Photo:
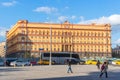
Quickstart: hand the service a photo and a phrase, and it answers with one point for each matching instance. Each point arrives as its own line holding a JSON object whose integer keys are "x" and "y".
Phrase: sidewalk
{"x": 57, "y": 72}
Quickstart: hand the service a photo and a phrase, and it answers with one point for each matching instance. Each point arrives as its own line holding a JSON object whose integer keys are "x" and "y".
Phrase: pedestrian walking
{"x": 104, "y": 68}
{"x": 69, "y": 67}
{"x": 98, "y": 64}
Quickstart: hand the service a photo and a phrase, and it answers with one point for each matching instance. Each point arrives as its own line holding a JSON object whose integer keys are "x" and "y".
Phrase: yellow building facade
{"x": 88, "y": 40}
{"x": 2, "y": 49}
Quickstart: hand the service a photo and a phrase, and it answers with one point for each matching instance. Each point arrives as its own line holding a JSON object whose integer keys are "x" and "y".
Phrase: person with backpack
{"x": 104, "y": 68}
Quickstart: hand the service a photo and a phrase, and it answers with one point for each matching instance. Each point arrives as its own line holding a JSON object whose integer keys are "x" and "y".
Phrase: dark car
{"x": 81, "y": 61}
{"x": 72, "y": 61}
{"x": 8, "y": 61}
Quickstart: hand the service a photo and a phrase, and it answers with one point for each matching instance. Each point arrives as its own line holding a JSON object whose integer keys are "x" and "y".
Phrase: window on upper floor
{"x": 22, "y": 39}
{"x": 23, "y": 32}
{"x": 39, "y": 32}
{"x": 36, "y": 31}
{"x": 54, "y": 32}
{"x": 47, "y": 32}
{"x": 43, "y": 32}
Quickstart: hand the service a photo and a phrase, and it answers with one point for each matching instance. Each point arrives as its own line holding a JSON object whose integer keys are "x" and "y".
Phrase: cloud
{"x": 8, "y": 4}
{"x": 47, "y": 10}
{"x": 3, "y": 31}
{"x": 62, "y": 18}
{"x": 113, "y": 20}
{"x": 73, "y": 17}
{"x": 100, "y": 20}
{"x": 117, "y": 41}
{"x": 81, "y": 18}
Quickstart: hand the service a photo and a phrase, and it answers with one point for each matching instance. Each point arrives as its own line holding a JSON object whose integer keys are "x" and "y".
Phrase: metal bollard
{"x": 14, "y": 65}
{"x": 30, "y": 64}
{"x": 22, "y": 65}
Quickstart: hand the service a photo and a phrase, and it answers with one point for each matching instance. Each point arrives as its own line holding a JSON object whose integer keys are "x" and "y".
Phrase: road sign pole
{"x": 50, "y": 44}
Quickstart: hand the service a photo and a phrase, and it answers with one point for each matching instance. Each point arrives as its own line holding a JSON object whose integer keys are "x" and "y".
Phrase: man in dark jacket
{"x": 98, "y": 64}
{"x": 69, "y": 66}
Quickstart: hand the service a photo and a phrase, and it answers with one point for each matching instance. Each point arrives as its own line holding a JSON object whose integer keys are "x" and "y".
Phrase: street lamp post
{"x": 50, "y": 45}
{"x": 71, "y": 47}
{"x": 40, "y": 49}
{"x": 5, "y": 51}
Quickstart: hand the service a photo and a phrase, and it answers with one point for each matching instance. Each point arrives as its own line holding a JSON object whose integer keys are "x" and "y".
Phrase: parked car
{"x": 20, "y": 63}
{"x": 1, "y": 62}
{"x": 72, "y": 61}
{"x": 9, "y": 60}
{"x": 116, "y": 62}
{"x": 33, "y": 62}
{"x": 109, "y": 61}
{"x": 94, "y": 62}
{"x": 44, "y": 62}
{"x": 81, "y": 61}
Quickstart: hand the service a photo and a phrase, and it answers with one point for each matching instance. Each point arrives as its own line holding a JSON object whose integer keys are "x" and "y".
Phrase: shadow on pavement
{"x": 11, "y": 69}
{"x": 65, "y": 78}
{"x": 90, "y": 76}
{"x": 5, "y": 70}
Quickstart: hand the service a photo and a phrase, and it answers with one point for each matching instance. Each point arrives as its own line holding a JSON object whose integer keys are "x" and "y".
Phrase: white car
{"x": 20, "y": 63}
{"x": 116, "y": 62}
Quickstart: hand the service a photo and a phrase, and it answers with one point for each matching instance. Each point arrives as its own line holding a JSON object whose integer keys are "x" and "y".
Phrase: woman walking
{"x": 104, "y": 68}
